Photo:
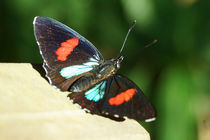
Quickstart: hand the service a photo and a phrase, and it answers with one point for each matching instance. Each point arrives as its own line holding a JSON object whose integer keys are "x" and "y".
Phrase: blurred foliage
{"x": 174, "y": 73}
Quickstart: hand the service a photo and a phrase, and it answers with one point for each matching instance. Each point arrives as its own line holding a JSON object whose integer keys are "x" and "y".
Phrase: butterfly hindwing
{"x": 124, "y": 98}
{"x": 61, "y": 47}
{"x": 117, "y": 96}
{"x": 91, "y": 98}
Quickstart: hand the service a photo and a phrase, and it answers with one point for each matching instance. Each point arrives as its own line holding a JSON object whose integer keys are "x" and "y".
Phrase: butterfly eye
{"x": 120, "y": 59}
{"x": 118, "y": 65}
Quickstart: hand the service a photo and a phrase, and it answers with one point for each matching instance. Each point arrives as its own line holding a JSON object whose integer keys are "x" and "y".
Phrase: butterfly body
{"x": 73, "y": 64}
{"x": 98, "y": 74}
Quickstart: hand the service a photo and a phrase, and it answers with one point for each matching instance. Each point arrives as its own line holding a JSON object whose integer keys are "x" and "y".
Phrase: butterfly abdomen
{"x": 84, "y": 83}
{"x": 100, "y": 73}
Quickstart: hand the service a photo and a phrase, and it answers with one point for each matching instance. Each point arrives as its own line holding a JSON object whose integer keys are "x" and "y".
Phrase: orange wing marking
{"x": 66, "y": 48}
{"x": 122, "y": 97}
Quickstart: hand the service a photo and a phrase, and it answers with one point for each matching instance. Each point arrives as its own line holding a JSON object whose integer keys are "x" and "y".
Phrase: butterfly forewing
{"x": 61, "y": 47}
{"x": 50, "y": 34}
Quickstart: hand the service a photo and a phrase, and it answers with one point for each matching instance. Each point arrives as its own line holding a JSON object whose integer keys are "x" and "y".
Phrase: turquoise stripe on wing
{"x": 75, "y": 70}
{"x": 96, "y": 93}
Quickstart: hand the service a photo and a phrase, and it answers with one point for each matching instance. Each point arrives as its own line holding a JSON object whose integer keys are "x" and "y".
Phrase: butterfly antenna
{"x": 131, "y": 27}
{"x": 150, "y": 44}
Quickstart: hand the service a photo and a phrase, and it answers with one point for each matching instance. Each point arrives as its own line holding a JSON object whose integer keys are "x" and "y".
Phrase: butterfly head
{"x": 117, "y": 62}
{"x": 109, "y": 68}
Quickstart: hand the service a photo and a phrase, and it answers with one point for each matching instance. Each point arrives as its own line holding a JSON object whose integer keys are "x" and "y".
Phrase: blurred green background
{"x": 174, "y": 73}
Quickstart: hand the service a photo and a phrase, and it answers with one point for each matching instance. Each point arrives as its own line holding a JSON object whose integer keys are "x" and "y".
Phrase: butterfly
{"x": 74, "y": 64}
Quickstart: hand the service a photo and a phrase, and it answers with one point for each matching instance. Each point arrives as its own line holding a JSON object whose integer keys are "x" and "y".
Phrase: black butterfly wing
{"x": 61, "y": 47}
{"x": 123, "y": 98}
{"x": 118, "y": 97}
{"x": 90, "y": 99}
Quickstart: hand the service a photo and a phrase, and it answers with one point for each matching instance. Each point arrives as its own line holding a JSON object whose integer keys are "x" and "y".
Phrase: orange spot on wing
{"x": 66, "y": 48}
{"x": 122, "y": 97}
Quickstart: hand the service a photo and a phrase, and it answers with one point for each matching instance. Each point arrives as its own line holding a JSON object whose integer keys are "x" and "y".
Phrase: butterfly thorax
{"x": 98, "y": 74}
